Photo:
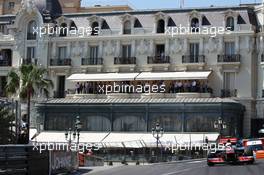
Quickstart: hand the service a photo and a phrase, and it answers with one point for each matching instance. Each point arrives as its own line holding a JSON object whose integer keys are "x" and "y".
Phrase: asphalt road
{"x": 188, "y": 168}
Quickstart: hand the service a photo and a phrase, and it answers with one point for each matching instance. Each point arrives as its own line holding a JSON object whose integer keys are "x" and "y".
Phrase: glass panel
{"x": 129, "y": 122}
{"x": 95, "y": 122}
{"x": 229, "y": 48}
{"x": 201, "y": 122}
{"x": 62, "y": 52}
{"x": 171, "y": 122}
{"x": 126, "y": 51}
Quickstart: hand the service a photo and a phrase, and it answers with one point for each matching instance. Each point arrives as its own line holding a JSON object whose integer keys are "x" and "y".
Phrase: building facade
{"x": 127, "y": 42}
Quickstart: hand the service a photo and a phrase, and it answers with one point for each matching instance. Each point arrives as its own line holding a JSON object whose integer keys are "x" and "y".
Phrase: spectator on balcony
{"x": 86, "y": 87}
{"x": 81, "y": 88}
{"x": 77, "y": 87}
{"x": 194, "y": 86}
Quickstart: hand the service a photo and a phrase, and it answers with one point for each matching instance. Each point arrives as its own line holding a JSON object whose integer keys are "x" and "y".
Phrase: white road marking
{"x": 183, "y": 170}
{"x": 198, "y": 161}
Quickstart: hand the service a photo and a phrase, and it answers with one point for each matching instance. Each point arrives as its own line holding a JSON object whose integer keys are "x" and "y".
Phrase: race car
{"x": 256, "y": 146}
{"x": 233, "y": 152}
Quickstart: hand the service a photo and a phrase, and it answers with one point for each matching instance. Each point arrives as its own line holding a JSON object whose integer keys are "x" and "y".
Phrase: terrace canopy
{"x": 140, "y": 76}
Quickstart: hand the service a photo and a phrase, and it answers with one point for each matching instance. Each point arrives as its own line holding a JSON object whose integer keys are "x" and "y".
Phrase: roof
{"x": 138, "y": 101}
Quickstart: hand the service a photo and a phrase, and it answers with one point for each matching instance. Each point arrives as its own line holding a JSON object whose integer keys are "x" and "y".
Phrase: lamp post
{"x": 78, "y": 127}
{"x": 70, "y": 135}
{"x": 220, "y": 124}
{"x": 157, "y": 133}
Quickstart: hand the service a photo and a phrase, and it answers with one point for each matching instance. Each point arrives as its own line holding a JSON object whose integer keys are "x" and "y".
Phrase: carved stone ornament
{"x": 176, "y": 46}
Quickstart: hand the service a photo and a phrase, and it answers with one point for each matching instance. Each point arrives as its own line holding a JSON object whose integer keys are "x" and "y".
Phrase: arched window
{"x": 161, "y": 26}
{"x": 230, "y": 23}
{"x": 105, "y": 25}
{"x": 31, "y": 35}
{"x": 127, "y": 27}
{"x": 95, "y": 29}
{"x": 63, "y": 30}
{"x": 195, "y": 25}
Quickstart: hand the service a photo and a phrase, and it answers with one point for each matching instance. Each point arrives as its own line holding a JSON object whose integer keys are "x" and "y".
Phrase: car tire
{"x": 210, "y": 164}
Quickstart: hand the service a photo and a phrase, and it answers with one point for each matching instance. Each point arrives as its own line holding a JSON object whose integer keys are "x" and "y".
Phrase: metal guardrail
{"x": 228, "y": 93}
{"x": 193, "y": 59}
{"x": 6, "y": 62}
{"x": 229, "y": 58}
{"x": 92, "y": 61}
{"x": 60, "y": 62}
{"x": 123, "y": 60}
{"x": 158, "y": 59}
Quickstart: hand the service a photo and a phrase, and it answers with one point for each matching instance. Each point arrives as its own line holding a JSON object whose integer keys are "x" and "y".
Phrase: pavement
{"x": 196, "y": 167}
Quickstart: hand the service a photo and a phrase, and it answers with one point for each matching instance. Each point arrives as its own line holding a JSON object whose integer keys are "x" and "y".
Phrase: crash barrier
{"x": 23, "y": 159}
{"x": 90, "y": 160}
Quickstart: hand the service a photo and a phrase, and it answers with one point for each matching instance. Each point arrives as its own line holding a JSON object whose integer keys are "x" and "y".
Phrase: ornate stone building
{"x": 136, "y": 46}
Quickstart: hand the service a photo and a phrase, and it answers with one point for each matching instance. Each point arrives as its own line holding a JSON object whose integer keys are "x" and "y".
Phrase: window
{"x": 229, "y": 81}
{"x": 171, "y": 23}
{"x": 30, "y": 53}
{"x": 137, "y": 24}
{"x": 126, "y": 51}
{"x": 95, "y": 29}
{"x": 127, "y": 27}
{"x": 195, "y": 25}
{"x": 63, "y": 30}
{"x": 194, "y": 52}
{"x": 229, "y": 48}
{"x": 230, "y": 24}
{"x": 94, "y": 54}
{"x": 62, "y": 52}
{"x": 11, "y": 5}
{"x": 105, "y": 25}
{"x": 2, "y": 28}
{"x": 161, "y": 26}
{"x": 31, "y": 35}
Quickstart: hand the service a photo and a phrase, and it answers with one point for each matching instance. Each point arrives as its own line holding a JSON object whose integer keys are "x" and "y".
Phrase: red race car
{"x": 232, "y": 152}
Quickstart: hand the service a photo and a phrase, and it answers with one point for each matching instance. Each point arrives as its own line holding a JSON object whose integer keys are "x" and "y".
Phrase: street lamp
{"x": 157, "y": 133}
{"x": 78, "y": 127}
{"x": 220, "y": 124}
{"x": 70, "y": 135}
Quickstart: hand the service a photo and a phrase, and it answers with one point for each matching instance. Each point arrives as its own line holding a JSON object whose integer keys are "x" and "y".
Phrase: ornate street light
{"x": 157, "y": 133}
{"x": 220, "y": 124}
{"x": 70, "y": 135}
{"x": 78, "y": 127}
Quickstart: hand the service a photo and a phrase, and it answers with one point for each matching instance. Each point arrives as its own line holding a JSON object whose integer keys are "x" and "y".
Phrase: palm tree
{"x": 7, "y": 118}
{"x": 27, "y": 82}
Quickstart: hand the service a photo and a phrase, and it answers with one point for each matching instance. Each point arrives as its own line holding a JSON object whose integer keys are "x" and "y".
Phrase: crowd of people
{"x": 183, "y": 86}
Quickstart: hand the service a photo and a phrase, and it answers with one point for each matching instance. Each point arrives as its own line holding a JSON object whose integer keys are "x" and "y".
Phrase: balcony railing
{"x": 193, "y": 59}
{"x": 60, "y": 62}
{"x": 30, "y": 61}
{"x": 5, "y": 63}
{"x": 235, "y": 58}
{"x": 122, "y": 60}
{"x": 159, "y": 60}
{"x": 228, "y": 93}
{"x": 92, "y": 61}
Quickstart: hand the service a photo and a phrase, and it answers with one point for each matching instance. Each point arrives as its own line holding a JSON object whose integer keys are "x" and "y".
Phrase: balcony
{"x": 124, "y": 61}
{"x": 229, "y": 59}
{"x": 159, "y": 60}
{"x": 225, "y": 93}
{"x": 5, "y": 63}
{"x": 30, "y": 61}
{"x": 92, "y": 61}
{"x": 193, "y": 59}
{"x": 60, "y": 62}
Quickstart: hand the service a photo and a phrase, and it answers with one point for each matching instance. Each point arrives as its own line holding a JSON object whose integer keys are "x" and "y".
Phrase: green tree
{"x": 26, "y": 82}
{"x": 7, "y": 119}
